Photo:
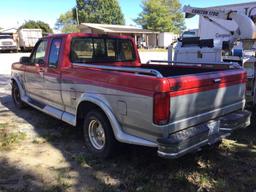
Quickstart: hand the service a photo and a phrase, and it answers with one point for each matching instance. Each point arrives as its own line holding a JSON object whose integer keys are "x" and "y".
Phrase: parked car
{"x": 98, "y": 81}
{"x": 7, "y": 43}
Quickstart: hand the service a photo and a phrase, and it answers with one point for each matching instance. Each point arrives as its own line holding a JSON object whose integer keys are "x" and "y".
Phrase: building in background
{"x": 142, "y": 37}
{"x": 165, "y": 39}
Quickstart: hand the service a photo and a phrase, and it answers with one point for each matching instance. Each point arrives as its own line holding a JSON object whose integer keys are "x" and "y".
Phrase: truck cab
{"x": 7, "y": 43}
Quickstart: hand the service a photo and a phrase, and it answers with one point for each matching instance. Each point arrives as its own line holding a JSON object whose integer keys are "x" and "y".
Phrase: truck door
{"x": 34, "y": 75}
{"x": 52, "y": 76}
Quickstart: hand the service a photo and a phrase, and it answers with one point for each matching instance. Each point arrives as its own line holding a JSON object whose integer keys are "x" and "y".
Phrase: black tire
{"x": 109, "y": 145}
{"x": 16, "y": 96}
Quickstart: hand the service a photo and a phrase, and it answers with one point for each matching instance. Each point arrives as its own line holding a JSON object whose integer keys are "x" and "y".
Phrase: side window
{"x": 81, "y": 50}
{"x": 54, "y": 53}
{"x": 99, "y": 50}
{"x": 39, "y": 54}
{"x": 111, "y": 49}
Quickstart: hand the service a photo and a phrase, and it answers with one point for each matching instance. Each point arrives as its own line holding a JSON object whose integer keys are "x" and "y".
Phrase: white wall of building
{"x": 166, "y": 38}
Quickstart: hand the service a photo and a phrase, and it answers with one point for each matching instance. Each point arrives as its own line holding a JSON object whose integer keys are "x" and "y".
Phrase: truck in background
{"x": 229, "y": 37}
{"x": 216, "y": 28}
{"x": 190, "y": 33}
{"x": 7, "y": 43}
{"x": 28, "y": 38}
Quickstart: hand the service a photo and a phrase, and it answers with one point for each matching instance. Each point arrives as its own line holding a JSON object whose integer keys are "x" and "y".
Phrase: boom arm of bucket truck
{"x": 246, "y": 28}
{"x": 245, "y": 33}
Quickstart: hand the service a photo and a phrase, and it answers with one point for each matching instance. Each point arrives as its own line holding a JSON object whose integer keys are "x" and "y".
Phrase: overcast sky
{"x": 16, "y": 12}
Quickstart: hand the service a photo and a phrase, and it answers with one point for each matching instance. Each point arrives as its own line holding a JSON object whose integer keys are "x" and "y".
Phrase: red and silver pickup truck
{"x": 98, "y": 81}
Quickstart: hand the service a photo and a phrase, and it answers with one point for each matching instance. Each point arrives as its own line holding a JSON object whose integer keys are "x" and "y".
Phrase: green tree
{"x": 174, "y": 7}
{"x": 100, "y": 11}
{"x": 66, "y": 23}
{"x": 37, "y": 25}
{"x": 161, "y": 15}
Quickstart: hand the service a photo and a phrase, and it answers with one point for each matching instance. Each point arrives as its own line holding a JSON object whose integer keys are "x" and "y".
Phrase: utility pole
{"x": 77, "y": 18}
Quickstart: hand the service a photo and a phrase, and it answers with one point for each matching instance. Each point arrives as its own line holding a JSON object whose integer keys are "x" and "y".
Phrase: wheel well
{"x": 84, "y": 108}
{"x": 13, "y": 81}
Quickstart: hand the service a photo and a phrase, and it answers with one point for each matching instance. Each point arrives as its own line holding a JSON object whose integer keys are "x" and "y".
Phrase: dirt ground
{"x": 40, "y": 153}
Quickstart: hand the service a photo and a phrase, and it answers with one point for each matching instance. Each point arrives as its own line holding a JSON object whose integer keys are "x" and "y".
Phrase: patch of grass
{"x": 228, "y": 145}
{"x": 81, "y": 160}
{"x": 3, "y": 125}
{"x": 8, "y": 138}
{"x": 62, "y": 181}
{"x": 220, "y": 184}
{"x": 39, "y": 140}
{"x": 51, "y": 137}
{"x": 201, "y": 180}
{"x": 153, "y": 50}
{"x": 54, "y": 188}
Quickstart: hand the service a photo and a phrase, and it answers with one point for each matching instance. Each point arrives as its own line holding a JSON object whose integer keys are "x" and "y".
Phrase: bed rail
{"x": 124, "y": 69}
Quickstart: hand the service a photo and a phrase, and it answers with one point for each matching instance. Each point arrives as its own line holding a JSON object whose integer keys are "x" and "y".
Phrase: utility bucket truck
{"x": 220, "y": 50}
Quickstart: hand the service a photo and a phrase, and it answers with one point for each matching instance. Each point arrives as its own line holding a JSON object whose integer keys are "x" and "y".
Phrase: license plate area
{"x": 213, "y": 133}
{"x": 214, "y": 127}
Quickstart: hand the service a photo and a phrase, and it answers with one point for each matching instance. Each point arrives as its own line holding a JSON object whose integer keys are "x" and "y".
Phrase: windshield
{"x": 189, "y": 34}
{"x": 5, "y": 37}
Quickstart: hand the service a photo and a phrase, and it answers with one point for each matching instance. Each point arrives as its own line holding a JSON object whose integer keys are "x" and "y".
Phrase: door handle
{"x": 73, "y": 93}
{"x": 41, "y": 69}
{"x": 217, "y": 80}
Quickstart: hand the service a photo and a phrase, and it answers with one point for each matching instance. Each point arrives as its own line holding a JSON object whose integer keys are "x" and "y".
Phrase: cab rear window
{"x": 89, "y": 50}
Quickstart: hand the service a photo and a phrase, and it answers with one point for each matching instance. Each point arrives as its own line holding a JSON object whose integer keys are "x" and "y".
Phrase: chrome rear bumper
{"x": 209, "y": 133}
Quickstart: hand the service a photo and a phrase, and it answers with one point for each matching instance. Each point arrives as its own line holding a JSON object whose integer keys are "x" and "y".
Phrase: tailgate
{"x": 204, "y": 96}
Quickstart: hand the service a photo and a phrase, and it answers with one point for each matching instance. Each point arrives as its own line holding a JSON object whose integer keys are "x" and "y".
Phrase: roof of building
{"x": 10, "y": 30}
{"x": 106, "y": 28}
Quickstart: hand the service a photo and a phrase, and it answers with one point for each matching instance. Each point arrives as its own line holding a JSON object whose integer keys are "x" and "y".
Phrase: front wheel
{"x": 98, "y": 134}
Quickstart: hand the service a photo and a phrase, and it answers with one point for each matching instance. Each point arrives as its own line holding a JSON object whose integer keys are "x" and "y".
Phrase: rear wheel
{"x": 98, "y": 134}
{"x": 16, "y": 96}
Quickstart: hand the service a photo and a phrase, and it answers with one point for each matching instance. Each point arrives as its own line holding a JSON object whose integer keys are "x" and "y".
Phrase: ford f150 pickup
{"x": 98, "y": 82}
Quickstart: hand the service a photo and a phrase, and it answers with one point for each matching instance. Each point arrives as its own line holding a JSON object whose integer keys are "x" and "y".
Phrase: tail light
{"x": 161, "y": 110}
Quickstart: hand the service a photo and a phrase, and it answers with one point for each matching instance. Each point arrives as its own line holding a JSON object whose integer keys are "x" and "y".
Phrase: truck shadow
{"x": 136, "y": 168}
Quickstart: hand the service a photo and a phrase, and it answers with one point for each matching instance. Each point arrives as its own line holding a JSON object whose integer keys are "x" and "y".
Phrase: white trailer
{"x": 28, "y": 38}
{"x": 166, "y": 38}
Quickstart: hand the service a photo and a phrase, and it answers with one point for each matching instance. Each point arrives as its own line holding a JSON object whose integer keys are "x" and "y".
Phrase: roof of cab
{"x": 87, "y": 35}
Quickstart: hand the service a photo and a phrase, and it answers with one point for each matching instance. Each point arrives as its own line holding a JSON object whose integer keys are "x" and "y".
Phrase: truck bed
{"x": 169, "y": 70}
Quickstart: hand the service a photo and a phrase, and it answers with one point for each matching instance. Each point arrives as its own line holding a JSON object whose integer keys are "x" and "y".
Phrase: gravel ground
{"x": 6, "y": 60}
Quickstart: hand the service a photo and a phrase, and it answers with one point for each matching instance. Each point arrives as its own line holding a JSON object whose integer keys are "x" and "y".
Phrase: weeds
{"x": 81, "y": 160}
{"x": 8, "y": 138}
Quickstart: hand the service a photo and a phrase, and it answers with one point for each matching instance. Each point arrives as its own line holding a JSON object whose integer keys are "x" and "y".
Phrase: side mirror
{"x": 40, "y": 61}
{"x": 24, "y": 60}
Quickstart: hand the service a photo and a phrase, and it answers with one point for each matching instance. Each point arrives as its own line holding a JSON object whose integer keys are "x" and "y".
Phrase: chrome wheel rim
{"x": 96, "y": 134}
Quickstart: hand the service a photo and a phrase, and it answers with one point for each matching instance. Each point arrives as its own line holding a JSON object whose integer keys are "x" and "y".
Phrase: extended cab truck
{"x": 99, "y": 82}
